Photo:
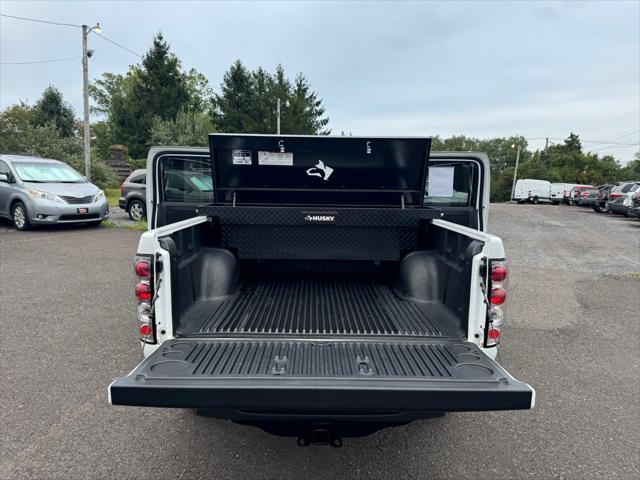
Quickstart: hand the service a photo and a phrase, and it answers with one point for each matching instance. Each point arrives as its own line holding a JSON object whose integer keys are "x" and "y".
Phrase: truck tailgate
{"x": 321, "y": 375}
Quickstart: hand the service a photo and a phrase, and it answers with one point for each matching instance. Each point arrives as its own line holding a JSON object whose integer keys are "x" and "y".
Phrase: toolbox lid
{"x": 318, "y": 170}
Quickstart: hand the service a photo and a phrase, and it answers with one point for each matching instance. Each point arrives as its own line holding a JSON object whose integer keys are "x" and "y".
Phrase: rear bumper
{"x": 355, "y": 377}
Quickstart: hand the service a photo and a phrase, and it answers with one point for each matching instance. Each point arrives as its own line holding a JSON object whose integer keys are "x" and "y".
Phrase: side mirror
{"x": 4, "y": 178}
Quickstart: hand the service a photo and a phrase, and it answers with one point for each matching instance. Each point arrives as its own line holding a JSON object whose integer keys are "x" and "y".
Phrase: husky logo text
{"x": 320, "y": 218}
{"x": 320, "y": 170}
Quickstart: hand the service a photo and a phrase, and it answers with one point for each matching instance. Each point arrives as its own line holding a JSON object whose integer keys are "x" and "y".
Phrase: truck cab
{"x": 319, "y": 286}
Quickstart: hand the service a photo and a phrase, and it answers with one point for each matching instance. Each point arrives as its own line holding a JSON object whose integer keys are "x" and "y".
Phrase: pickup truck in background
{"x": 319, "y": 287}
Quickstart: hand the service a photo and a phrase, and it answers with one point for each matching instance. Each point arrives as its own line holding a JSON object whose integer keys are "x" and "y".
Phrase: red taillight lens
{"x": 143, "y": 268}
{"x": 615, "y": 195}
{"x": 498, "y": 296}
{"x": 498, "y": 273}
{"x": 147, "y": 331}
{"x": 494, "y": 334}
{"x": 143, "y": 291}
{"x": 122, "y": 189}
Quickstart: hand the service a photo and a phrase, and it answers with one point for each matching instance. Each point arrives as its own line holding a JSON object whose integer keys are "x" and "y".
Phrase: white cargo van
{"x": 560, "y": 192}
{"x": 528, "y": 190}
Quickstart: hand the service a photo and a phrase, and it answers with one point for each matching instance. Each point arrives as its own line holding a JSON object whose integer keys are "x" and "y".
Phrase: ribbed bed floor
{"x": 314, "y": 306}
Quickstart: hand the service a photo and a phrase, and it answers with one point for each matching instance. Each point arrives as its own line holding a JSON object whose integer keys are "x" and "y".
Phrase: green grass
{"x": 113, "y": 194}
{"x": 140, "y": 226}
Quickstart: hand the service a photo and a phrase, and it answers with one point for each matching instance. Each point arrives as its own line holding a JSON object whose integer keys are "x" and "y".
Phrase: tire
{"x": 20, "y": 217}
{"x": 136, "y": 210}
{"x": 535, "y": 200}
{"x": 556, "y": 203}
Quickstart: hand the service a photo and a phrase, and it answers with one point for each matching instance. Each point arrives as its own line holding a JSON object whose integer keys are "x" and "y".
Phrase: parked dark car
{"x": 588, "y": 197}
{"x": 634, "y": 211}
{"x": 621, "y": 197}
{"x": 600, "y": 204}
{"x": 576, "y": 192}
{"x": 133, "y": 195}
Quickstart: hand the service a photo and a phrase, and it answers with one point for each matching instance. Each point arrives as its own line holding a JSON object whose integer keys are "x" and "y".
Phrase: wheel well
{"x": 131, "y": 200}
{"x": 13, "y": 204}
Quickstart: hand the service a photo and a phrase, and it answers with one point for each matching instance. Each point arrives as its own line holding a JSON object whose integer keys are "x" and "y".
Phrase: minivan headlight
{"x": 45, "y": 195}
{"x": 98, "y": 196}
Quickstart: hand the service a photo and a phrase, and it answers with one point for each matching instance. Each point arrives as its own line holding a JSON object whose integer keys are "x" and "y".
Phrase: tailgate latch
{"x": 364, "y": 366}
{"x": 280, "y": 367}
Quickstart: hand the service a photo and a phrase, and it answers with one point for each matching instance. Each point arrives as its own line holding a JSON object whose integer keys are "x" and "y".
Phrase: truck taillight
{"x": 497, "y": 294}
{"x": 143, "y": 268}
{"x": 144, "y": 293}
{"x": 498, "y": 273}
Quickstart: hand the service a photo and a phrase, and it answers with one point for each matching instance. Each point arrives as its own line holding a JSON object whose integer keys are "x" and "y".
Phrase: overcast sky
{"x": 485, "y": 69}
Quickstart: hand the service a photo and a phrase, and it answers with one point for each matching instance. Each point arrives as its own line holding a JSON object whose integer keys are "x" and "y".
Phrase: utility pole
{"x": 86, "y": 53}
{"x": 85, "y": 94}
{"x": 278, "y": 111}
{"x": 515, "y": 172}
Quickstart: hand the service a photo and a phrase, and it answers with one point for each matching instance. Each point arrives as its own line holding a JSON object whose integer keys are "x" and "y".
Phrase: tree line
{"x": 158, "y": 102}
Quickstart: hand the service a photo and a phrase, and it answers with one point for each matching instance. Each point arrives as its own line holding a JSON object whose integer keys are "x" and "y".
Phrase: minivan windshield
{"x": 46, "y": 172}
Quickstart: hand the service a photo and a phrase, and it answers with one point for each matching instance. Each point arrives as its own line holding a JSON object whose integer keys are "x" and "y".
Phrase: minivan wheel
{"x": 137, "y": 211}
{"x": 535, "y": 200}
{"x": 20, "y": 217}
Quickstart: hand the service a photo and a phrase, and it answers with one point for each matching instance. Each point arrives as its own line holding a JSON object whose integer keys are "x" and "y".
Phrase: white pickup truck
{"x": 319, "y": 286}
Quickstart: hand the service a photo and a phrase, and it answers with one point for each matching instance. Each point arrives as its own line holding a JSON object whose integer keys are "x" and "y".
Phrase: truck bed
{"x": 315, "y": 306}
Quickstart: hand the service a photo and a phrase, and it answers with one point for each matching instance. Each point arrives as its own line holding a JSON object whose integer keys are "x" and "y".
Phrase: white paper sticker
{"x": 275, "y": 158}
{"x": 440, "y": 182}
{"x": 241, "y": 157}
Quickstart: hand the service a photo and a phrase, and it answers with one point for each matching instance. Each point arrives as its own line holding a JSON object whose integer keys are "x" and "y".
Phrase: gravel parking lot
{"x": 67, "y": 311}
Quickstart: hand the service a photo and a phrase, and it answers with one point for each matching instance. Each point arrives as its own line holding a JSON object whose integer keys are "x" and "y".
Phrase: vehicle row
{"x": 620, "y": 198}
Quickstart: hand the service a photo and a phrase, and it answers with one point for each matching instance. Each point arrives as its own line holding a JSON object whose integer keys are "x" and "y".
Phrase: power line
{"x": 615, "y": 146}
{"x": 72, "y": 25}
{"x": 602, "y": 142}
{"x": 43, "y": 61}
{"x": 118, "y": 45}
{"x": 40, "y": 21}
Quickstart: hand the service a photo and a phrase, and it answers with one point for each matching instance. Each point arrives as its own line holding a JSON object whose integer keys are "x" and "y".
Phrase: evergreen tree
{"x": 157, "y": 88}
{"x": 52, "y": 109}
{"x": 247, "y": 103}
{"x": 236, "y": 106}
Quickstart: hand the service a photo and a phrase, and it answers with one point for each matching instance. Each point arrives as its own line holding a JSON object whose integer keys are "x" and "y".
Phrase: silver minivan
{"x": 41, "y": 191}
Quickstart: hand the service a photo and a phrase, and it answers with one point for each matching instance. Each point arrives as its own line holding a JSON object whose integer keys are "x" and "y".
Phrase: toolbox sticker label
{"x": 241, "y": 157}
{"x": 275, "y": 158}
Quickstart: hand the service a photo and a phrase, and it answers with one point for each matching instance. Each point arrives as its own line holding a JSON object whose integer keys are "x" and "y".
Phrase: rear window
{"x": 186, "y": 179}
{"x": 455, "y": 191}
{"x": 631, "y": 187}
{"x": 140, "y": 179}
